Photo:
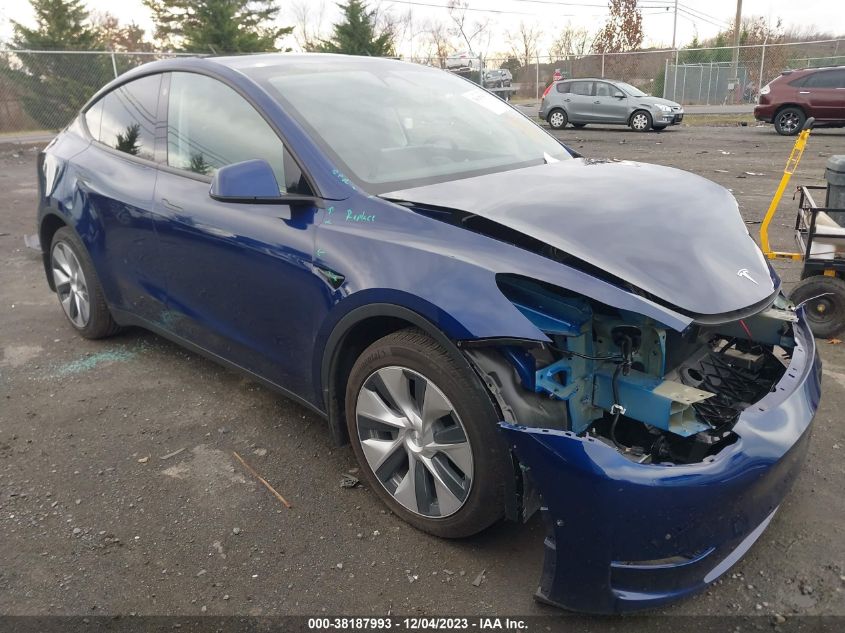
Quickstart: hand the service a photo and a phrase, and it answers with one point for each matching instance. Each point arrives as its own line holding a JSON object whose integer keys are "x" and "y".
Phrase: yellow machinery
{"x": 791, "y": 166}
{"x": 820, "y": 238}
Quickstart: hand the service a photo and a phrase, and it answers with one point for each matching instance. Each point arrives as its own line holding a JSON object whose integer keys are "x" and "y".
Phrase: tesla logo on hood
{"x": 743, "y": 272}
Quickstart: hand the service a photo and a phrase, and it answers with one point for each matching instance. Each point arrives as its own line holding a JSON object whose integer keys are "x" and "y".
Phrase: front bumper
{"x": 624, "y": 536}
{"x": 667, "y": 118}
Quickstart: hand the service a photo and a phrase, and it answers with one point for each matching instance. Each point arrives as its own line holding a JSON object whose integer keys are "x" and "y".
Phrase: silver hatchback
{"x": 582, "y": 101}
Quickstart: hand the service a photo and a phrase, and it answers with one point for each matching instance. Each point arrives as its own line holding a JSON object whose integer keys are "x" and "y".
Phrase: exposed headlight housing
{"x": 663, "y": 108}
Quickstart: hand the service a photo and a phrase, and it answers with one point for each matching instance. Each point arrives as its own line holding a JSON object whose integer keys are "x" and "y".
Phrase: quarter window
{"x": 563, "y": 87}
{"x": 125, "y": 118}
{"x": 209, "y": 125}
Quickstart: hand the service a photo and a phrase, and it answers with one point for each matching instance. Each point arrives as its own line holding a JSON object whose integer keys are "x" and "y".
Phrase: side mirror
{"x": 252, "y": 182}
{"x": 619, "y": 95}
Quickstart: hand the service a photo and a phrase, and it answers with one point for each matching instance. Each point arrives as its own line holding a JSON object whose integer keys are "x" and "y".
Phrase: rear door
{"x": 580, "y": 105}
{"x": 824, "y": 92}
{"x": 117, "y": 175}
{"x": 240, "y": 284}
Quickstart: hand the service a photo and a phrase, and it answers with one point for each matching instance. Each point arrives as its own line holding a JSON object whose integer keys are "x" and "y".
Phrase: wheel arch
{"x": 50, "y": 223}
{"x": 352, "y": 334}
{"x": 784, "y": 106}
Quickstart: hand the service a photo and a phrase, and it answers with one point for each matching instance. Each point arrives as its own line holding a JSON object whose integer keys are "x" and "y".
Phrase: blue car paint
{"x": 273, "y": 306}
{"x": 625, "y": 536}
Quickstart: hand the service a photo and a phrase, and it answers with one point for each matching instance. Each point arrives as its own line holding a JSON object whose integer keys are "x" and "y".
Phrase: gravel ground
{"x": 119, "y": 493}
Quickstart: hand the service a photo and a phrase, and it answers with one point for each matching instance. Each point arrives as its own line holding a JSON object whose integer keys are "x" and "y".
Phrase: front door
{"x": 241, "y": 283}
{"x": 608, "y": 106}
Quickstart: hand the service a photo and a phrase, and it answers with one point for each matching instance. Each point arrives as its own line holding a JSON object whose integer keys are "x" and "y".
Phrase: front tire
{"x": 558, "y": 119}
{"x": 789, "y": 121}
{"x": 78, "y": 287}
{"x": 825, "y": 304}
{"x": 425, "y": 433}
{"x": 641, "y": 121}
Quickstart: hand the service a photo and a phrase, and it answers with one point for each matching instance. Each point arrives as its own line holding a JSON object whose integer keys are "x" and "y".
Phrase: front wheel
{"x": 789, "y": 121}
{"x": 558, "y": 119}
{"x": 641, "y": 121}
{"x": 824, "y": 298}
{"x": 425, "y": 434}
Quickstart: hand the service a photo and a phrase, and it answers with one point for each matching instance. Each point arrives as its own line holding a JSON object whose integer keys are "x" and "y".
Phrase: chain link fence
{"x": 42, "y": 90}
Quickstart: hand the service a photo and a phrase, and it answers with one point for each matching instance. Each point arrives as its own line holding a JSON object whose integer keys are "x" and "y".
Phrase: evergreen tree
{"x": 53, "y": 86}
{"x": 217, "y": 26}
{"x": 356, "y": 33}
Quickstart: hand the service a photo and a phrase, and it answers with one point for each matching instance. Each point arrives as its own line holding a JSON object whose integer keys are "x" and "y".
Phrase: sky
{"x": 695, "y": 17}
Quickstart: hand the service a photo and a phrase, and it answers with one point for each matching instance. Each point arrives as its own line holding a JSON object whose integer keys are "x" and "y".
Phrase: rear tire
{"x": 640, "y": 121}
{"x": 406, "y": 400}
{"x": 825, "y": 314}
{"x": 78, "y": 287}
{"x": 558, "y": 119}
{"x": 789, "y": 121}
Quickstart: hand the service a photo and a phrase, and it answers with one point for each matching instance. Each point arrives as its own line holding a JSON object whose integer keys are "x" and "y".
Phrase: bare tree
{"x": 308, "y": 20}
{"x": 439, "y": 42}
{"x": 524, "y": 42}
{"x": 467, "y": 30}
{"x": 572, "y": 43}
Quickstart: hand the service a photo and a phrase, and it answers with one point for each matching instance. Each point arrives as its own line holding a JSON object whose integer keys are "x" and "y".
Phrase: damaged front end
{"x": 659, "y": 456}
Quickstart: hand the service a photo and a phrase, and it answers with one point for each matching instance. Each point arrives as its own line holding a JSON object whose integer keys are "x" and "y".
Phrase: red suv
{"x": 790, "y": 99}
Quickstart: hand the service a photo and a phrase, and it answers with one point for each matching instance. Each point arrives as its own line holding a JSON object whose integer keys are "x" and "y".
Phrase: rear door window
{"x": 125, "y": 118}
{"x": 582, "y": 88}
{"x": 826, "y": 79}
{"x": 563, "y": 87}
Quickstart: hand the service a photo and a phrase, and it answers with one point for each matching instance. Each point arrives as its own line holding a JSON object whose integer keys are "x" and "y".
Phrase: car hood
{"x": 668, "y": 232}
{"x": 657, "y": 100}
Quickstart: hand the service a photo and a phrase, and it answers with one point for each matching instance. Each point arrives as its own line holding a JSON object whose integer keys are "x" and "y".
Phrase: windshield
{"x": 393, "y": 125}
{"x": 634, "y": 92}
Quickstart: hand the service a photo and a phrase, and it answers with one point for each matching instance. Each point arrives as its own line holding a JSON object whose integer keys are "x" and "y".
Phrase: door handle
{"x": 567, "y": 100}
{"x": 597, "y": 102}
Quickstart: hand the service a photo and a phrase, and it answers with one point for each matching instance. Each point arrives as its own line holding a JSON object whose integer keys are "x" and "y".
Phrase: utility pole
{"x": 675, "y": 47}
{"x": 732, "y": 89}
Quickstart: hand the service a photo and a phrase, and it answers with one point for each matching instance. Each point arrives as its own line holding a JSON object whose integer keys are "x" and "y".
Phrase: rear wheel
{"x": 424, "y": 432}
{"x": 824, "y": 299}
{"x": 641, "y": 121}
{"x": 789, "y": 121}
{"x": 78, "y": 287}
{"x": 558, "y": 119}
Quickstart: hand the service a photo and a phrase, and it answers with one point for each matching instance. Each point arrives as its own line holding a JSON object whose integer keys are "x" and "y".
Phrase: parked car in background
{"x": 795, "y": 95}
{"x": 582, "y": 101}
{"x": 464, "y": 60}
{"x": 497, "y": 78}
{"x": 486, "y": 317}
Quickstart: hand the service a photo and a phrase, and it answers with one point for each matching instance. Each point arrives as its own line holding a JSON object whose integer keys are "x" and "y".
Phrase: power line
{"x": 692, "y": 18}
{"x": 690, "y": 9}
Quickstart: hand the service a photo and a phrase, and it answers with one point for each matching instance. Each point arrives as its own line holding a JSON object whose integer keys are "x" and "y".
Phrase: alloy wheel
{"x": 71, "y": 285}
{"x": 789, "y": 121}
{"x": 414, "y": 441}
{"x": 556, "y": 120}
{"x": 639, "y": 122}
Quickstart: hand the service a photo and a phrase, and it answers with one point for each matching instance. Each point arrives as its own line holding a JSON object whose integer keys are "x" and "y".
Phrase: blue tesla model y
{"x": 495, "y": 324}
